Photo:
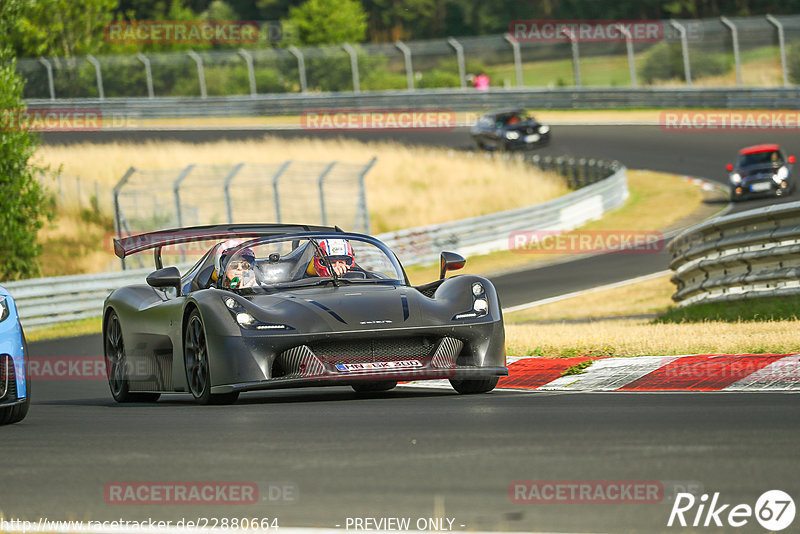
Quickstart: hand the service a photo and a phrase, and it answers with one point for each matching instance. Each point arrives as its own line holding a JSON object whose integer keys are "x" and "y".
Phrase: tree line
{"x": 69, "y": 28}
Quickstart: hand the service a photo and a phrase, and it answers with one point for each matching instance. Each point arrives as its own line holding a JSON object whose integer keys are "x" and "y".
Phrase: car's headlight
{"x": 543, "y": 129}
{"x": 512, "y": 135}
{"x": 480, "y": 306}
{"x": 736, "y": 178}
{"x": 781, "y": 175}
{"x": 245, "y": 319}
{"x": 3, "y": 309}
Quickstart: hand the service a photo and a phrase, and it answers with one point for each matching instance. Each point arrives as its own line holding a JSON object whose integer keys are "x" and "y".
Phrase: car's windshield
{"x": 772, "y": 157}
{"x": 267, "y": 264}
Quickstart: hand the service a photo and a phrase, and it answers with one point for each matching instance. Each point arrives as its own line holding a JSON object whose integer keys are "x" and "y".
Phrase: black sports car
{"x": 761, "y": 170}
{"x": 292, "y": 305}
{"x": 509, "y": 129}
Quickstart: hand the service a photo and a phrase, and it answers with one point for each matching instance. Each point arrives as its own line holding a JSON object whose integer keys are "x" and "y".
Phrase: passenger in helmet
{"x": 333, "y": 256}
{"x": 236, "y": 264}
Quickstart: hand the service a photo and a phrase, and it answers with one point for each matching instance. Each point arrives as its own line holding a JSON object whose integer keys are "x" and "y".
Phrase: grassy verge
{"x": 756, "y": 326}
{"x": 82, "y": 327}
{"x": 657, "y": 201}
{"x": 646, "y": 297}
{"x": 639, "y": 338}
{"x": 751, "y": 310}
{"x": 760, "y": 67}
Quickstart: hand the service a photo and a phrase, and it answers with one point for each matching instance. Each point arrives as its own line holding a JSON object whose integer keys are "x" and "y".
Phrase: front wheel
{"x": 195, "y": 357}
{"x": 481, "y": 385}
{"x": 116, "y": 364}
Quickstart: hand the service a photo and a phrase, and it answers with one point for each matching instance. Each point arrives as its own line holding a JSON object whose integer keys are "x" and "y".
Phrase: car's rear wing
{"x": 126, "y": 246}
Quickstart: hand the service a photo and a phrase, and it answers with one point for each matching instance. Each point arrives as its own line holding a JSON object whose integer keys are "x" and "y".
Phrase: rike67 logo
{"x": 774, "y": 511}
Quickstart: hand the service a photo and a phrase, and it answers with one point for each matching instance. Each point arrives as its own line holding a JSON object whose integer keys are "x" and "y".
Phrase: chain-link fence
{"x": 750, "y": 51}
{"x": 327, "y": 193}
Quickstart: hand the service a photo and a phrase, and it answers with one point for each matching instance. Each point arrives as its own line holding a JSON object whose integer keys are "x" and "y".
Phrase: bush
{"x": 438, "y": 78}
{"x": 22, "y": 201}
{"x": 664, "y": 61}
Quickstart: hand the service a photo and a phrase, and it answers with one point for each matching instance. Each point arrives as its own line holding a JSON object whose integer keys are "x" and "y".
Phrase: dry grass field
{"x": 407, "y": 187}
{"x": 641, "y": 338}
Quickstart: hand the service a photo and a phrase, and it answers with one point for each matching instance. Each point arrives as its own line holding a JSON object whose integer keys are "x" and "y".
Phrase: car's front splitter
{"x": 346, "y": 379}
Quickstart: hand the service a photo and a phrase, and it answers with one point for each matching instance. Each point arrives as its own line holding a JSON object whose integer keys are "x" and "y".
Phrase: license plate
{"x": 531, "y": 138}
{"x": 760, "y": 186}
{"x": 378, "y": 366}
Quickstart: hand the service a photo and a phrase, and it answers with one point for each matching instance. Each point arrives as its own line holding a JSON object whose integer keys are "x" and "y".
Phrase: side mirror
{"x": 729, "y": 167}
{"x": 450, "y": 261}
{"x": 166, "y": 277}
{"x": 790, "y": 159}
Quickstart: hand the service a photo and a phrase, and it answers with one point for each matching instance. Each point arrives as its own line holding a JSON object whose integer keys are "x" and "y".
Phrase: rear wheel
{"x": 481, "y": 385}
{"x": 367, "y": 387}
{"x": 116, "y": 364}
{"x": 195, "y": 357}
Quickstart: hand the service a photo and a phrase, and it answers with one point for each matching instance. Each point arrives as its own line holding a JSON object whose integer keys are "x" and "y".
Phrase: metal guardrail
{"x": 53, "y": 300}
{"x": 44, "y": 301}
{"x": 126, "y": 111}
{"x": 739, "y": 256}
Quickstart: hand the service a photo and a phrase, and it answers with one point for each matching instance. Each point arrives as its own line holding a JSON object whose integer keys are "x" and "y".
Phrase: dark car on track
{"x": 509, "y": 129}
{"x": 15, "y": 383}
{"x": 761, "y": 170}
{"x": 270, "y": 310}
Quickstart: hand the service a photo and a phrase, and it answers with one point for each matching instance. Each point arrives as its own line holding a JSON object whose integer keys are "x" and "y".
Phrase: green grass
{"x": 82, "y": 327}
{"x": 577, "y": 369}
{"x": 595, "y": 71}
{"x": 754, "y": 309}
{"x": 609, "y": 71}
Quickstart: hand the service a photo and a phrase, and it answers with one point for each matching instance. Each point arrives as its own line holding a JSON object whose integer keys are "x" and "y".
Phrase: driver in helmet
{"x": 238, "y": 266}
{"x": 336, "y": 253}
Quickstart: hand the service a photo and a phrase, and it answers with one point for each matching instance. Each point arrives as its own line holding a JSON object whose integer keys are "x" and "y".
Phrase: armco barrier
{"x": 45, "y": 301}
{"x": 490, "y": 233}
{"x": 750, "y": 254}
{"x": 128, "y": 110}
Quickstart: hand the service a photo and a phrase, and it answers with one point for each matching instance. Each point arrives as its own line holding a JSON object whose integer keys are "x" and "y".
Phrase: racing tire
{"x": 481, "y": 385}
{"x": 195, "y": 358}
{"x": 116, "y": 364}
{"x": 373, "y": 386}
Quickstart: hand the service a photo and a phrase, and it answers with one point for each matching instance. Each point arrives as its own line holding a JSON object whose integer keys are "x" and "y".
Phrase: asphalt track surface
{"x": 418, "y": 452}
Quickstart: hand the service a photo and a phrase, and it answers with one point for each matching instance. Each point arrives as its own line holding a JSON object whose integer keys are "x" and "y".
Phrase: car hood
{"x": 355, "y": 307}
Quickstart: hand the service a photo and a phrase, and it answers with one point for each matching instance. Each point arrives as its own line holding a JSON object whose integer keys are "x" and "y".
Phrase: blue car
{"x": 15, "y": 384}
